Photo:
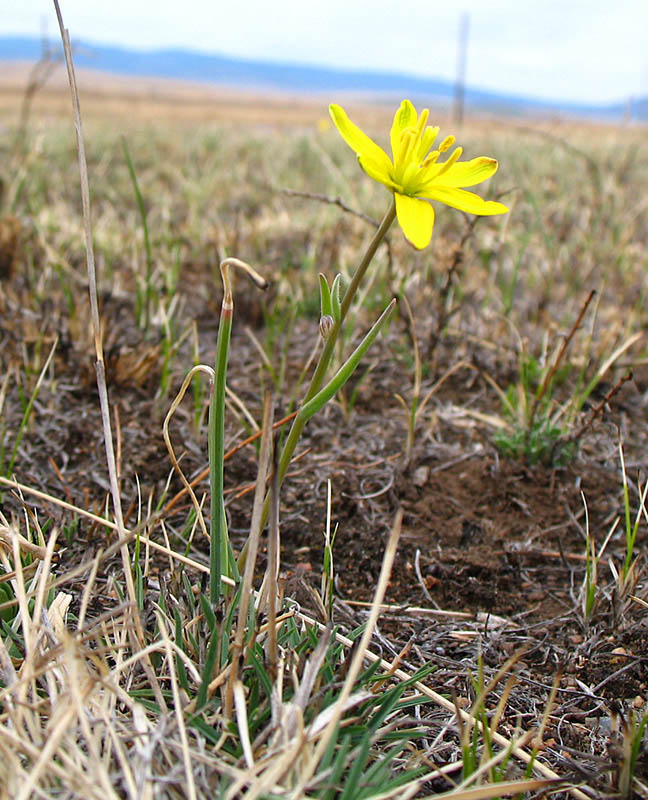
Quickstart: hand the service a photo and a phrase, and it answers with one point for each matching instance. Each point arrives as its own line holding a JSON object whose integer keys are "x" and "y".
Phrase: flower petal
{"x": 468, "y": 173}
{"x": 416, "y": 218}
{"x": 364, "y": 147}
{"x": 378, "y": 172}
{"x": 469, "y": 202}
{"x": 405, "y": 117}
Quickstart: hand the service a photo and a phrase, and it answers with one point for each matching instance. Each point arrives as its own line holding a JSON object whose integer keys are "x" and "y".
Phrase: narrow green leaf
{"x": 335, "y": 298}
{"x": 339, "y": 765}
{"x": 260, "y": 672}
{"x": 325, "y": 297}
{"x": 188, "y": 594}
{"x": 179, "y": 640}
{"x": 148, "y": 295}
{"x": 210, "y": 617}
{"x": 347, "y": 369}
{"x": 208, "y": 669}
{"x": 360, "y": 756}
{"x": 216, "y": 441}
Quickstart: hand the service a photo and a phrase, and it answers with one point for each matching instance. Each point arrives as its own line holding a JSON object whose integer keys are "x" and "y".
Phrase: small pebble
{"x": 421, "y": 475}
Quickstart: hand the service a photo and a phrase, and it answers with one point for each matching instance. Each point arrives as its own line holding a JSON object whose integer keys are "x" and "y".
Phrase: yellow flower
{"x": 414, "y": 175}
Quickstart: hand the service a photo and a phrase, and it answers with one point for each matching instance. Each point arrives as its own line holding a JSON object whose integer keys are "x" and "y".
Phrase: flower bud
{"x": 326, "y": 325}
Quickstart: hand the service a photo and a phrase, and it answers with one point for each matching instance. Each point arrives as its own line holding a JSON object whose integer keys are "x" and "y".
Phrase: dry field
{"x": 514, "y": 626}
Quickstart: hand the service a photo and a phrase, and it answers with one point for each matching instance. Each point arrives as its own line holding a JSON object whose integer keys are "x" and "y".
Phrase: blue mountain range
{"x": 189, "y": 65}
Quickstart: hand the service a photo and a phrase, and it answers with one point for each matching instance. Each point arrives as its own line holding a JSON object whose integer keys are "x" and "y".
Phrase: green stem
{"x": 216, "y": 449}
{"x": 329, "y": 345}
{"x": 331, "y": 340}
{"x": 148, "y": 290}
{"x": 308, "y": 408}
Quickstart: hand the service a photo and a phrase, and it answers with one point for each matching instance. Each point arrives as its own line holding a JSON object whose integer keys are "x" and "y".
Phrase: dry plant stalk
{"x": 448, "y": 705}
{"x": 65, "y": 721}
{"x": 250, "y": 561}
{"x": 138, "y": 638}
{"x": 359, "y": 655}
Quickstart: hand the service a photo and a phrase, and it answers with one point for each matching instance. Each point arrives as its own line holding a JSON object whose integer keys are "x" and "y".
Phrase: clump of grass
{"x": 596, "y": 595}
{"x": 481, "y": 758}
{"x": 630, "y": 741}
{"x": 24, "y": 423}
{"x": 537, "y": 426}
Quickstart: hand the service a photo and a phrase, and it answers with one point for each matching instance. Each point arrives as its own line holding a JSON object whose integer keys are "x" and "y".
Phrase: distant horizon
{"x": 303, "y": 64}
{"x": 200, "y": 67}
{"x": 568, "y": 51}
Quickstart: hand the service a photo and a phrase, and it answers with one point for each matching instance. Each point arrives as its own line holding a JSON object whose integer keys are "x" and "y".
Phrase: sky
{"x": 591, "y": 51}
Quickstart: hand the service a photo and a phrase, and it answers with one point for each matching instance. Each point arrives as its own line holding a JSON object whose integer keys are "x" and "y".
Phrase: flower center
{"x": 413, "y": 154}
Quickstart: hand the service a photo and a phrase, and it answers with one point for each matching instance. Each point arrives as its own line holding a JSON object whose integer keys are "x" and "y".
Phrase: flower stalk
{"x": 316, "y": 397}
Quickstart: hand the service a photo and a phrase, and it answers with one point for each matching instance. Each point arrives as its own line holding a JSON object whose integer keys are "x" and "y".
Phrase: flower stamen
{"x": 431, "y": 159}
{"x": 452, "y": 159}
{"x": 422, "y": 121}
{"x": 447, "y": 143}
{"x": 429, "y": 135}
{"x": 408, "y": 137}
